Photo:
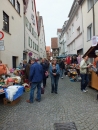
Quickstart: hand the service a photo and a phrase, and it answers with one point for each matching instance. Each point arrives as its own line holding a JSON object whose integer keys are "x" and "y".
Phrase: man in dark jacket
{"x": 45, "y": 67}
{"x": 35, "y": 79}
{"x": 62, "y": 67}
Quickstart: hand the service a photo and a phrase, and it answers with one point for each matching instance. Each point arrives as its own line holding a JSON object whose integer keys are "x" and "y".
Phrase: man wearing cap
{"x": 35, "y": 78}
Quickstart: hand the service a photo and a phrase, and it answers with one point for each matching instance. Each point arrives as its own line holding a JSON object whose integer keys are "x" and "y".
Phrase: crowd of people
{"x": 37, "y": 72}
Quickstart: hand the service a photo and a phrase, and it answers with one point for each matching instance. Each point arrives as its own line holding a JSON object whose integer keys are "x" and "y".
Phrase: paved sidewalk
{"x": 69, "y": 105}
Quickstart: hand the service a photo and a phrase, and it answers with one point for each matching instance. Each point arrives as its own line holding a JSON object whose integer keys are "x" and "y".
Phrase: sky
{"x": 54, "y": 13}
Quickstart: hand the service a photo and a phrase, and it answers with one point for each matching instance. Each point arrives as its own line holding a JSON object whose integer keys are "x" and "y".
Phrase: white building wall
{"x": 14, "y": 40}
{"x": 59, "y": 45}
{"x": 87, "y": 20}
{"x": 33, "y": 35}
{"x": 74, "y": 33}
{"x": 42, "y": 43}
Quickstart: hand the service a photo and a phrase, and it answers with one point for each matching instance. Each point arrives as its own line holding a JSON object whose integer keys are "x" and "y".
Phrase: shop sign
{"x": 2, "y": 48}
{"x": 1, "y": 35}
{"x": 94, "y": 40}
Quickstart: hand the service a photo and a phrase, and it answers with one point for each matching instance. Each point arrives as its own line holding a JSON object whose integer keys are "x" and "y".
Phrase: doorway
{"x": 14, "y": 61}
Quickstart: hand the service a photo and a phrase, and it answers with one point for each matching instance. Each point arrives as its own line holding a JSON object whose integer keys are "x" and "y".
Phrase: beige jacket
{"x": 83, "y": 67}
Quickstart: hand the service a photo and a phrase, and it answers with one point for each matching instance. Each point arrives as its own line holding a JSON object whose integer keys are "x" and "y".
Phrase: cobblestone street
{"x": 69, "y": 105}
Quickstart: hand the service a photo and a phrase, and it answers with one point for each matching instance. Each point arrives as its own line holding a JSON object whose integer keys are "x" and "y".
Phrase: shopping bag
{"x": 42, "y": 90}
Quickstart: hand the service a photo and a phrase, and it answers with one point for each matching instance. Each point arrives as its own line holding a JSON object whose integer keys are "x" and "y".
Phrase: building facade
{"x": 41, "y": 36}
{"x": 31, "y": 47}
{"x": 59, "y": 31}
{"x": 90, "y": 21}
{"x": 54, "y": 47}
{"x": 62, "y": 41}
{"x": 48, "y": 52}
{"x": 12, "y": 25}
{"x": 74, "y": 30}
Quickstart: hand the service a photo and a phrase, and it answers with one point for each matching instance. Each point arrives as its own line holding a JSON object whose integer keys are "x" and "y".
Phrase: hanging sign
{"x": 1, "y": 35}
{"x": 94, "y": 40}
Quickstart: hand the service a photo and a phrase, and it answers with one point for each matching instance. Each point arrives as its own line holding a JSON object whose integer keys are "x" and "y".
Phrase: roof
{"x": 91, "y": 52}
{"x": 59, "y": 30}
{"x": 54, "y": 42}
{"x": 48, "y": 48}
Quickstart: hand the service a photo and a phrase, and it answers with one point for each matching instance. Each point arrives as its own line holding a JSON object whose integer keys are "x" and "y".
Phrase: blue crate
{"x": 18, "y": 93}
{"x": 72, "y": 80}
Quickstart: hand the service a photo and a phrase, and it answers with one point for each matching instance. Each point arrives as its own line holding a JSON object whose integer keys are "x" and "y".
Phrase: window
{"x": 30, "y": 42}
{"x": 78, "y": 30}
{"x": 30, "y": 27}
{"x": 69, "y": 32}
{"x": 90, "y": 4}
{"x": 72, "y": 28}
{"x": 33, "y": 45}
{"x": 77, "y": 15}
{"x": 32, "y": 4}
{"x": 13, "y": 2}
{"x": 5, "y": 22}
{"x": 95, "y": 1}
{"x": 74, "y": 45}
{"x": 89, "y": 32}
{"x": 32, "y": 31}
{"x": 18, "y": 7}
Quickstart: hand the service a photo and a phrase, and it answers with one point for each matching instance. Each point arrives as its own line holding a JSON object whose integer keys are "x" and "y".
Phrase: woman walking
{"x": 54, "y": 74}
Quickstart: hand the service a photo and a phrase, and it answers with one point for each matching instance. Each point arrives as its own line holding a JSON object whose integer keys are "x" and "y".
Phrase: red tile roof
{"x": 59, "y": 30}
{"x": 54, "y": 42}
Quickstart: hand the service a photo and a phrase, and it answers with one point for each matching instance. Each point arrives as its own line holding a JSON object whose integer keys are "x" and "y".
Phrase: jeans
{"x": 61, "y": 72}
{"x": 33, "y": 87}
{"x": 84, "y": 81}
{"x": 44, "y": 82}
{"x": 54, "y": 83}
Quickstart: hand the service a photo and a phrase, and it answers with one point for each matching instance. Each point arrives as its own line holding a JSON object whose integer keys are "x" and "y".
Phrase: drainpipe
{"x": 93, "y": 19}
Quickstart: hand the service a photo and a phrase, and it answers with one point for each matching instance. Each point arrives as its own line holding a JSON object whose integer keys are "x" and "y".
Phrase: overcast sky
{"x": 54, "y": 13}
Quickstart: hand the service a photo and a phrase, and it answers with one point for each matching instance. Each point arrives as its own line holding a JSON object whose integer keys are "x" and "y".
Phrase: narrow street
{"x": 69, "y": 105}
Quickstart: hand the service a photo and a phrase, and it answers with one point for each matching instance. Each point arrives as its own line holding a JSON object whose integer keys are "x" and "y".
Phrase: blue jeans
{"x": 33, "y": 86}
{"x": 54, "y": 83}
{"x": 61, "y": 72}
{"x": 84, "y": 81}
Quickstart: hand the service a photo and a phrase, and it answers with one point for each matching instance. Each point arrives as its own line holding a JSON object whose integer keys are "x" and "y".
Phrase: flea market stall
{"x": 93, "y": 53}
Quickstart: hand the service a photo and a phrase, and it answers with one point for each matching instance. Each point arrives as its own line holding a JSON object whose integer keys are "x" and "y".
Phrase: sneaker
{"x": 84, "y": 91}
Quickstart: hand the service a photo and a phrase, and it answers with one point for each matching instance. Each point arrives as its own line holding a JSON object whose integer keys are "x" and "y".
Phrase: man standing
{"x": 45, "y": 70}
{"x": 83, "y": 72}
{"x": 62, "y": 67}
{"x": 35, "y": 78}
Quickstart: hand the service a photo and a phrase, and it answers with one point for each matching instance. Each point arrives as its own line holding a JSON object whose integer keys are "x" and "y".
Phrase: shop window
{"x": 5, "y": 22}
{"x": 89, "y": 32}
{"x": 13, "y": 2}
